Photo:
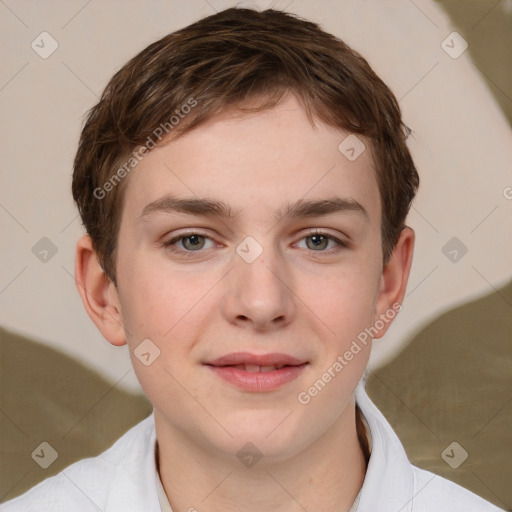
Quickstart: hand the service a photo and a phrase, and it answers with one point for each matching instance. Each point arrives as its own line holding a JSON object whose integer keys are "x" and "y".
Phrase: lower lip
{"x": 258, "y": 381}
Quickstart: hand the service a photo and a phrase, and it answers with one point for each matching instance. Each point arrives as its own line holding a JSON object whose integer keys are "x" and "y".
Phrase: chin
{"x": 274, "y": 434}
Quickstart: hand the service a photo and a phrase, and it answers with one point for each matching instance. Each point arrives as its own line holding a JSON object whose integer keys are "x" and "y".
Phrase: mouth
{"x": 257, "y": 373}
{"x": 252, "y": 368}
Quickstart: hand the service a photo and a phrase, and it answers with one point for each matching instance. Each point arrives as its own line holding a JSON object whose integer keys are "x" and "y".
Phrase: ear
{"x": 393, "y": 282}
{"x": 98, "y": 293}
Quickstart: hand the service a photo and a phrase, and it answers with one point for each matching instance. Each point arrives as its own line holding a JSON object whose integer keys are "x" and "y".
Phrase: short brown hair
{"x": 220, "y": 62}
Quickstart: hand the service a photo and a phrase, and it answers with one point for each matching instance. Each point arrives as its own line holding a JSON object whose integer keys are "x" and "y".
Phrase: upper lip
{"x": 274, "y": 359}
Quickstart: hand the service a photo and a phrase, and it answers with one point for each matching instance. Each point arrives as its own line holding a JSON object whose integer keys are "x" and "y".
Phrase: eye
{"x": 189, "y": 242}
{"x": 195, "y": 241}
{"x": 319, "y": 242}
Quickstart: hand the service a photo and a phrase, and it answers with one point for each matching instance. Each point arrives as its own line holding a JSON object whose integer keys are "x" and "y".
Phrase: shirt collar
{"x": 165, "y": 506}
{"x": 133, "y": 485}
{"x": 389, "y": 479}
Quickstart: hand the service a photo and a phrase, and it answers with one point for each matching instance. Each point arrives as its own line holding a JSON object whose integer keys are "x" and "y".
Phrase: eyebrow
{"x": 213, "y": 208}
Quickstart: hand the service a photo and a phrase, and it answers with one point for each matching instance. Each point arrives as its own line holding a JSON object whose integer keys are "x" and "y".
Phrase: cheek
{"x": 165, "y": 310}
{"x": 344, "y": 306}
{"x": 160, "y": 304}
{"x": 343, "y": 298}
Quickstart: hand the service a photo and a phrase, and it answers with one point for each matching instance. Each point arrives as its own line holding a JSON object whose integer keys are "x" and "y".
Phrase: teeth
{"x": 263, "y": 369}
{"x": 253, "y": 368}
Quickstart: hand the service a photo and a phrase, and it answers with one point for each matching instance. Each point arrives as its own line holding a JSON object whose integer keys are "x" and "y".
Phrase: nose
{"x": 260, "y": 294}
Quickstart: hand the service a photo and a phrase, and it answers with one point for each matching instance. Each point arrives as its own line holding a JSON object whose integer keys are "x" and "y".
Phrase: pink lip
{"x": 257, "y": 381}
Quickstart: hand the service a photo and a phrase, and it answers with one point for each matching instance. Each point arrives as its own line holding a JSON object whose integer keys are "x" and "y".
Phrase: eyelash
{"x": 169, "y": 244}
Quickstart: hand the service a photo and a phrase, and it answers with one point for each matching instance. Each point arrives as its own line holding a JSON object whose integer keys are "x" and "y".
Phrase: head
{"x": 244, "y": 124}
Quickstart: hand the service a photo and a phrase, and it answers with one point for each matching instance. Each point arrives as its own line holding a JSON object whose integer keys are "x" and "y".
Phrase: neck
{"x": 325, "y": 477}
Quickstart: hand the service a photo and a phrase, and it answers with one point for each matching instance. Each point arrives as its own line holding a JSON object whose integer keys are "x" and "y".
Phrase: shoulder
{"x": 433, "y": 492}
{"x": 393, "y": 483}
{"x": 87, "y": 484}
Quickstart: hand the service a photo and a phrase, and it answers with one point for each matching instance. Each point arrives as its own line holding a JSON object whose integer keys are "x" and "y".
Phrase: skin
{"x": 294, "y": 298}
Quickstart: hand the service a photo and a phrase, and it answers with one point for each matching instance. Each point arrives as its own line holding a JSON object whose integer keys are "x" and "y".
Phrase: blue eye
{"x": 193, "y": 242}
{"x": 190, "y": 242}
{"x": 318, "y": 242}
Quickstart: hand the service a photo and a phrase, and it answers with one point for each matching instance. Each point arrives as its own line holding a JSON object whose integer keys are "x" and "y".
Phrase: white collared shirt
{"x": 124, "y": 478}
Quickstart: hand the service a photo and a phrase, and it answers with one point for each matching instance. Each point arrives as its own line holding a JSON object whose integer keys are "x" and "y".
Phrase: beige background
{"x": 457, "y": 109}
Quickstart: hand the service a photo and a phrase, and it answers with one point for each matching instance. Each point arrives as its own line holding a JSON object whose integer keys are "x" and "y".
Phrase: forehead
{"x": 258, "y": 161}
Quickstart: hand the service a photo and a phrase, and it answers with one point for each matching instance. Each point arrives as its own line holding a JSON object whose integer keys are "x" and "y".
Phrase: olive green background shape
{"x": 453, "y": 381}
{"x": 46, "y": 396}
{"x": 487, "y": 27}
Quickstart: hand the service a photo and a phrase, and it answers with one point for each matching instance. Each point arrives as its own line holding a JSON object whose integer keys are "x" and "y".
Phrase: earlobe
{"x": 393, "y": 281}
{"x": 99, "y": 295}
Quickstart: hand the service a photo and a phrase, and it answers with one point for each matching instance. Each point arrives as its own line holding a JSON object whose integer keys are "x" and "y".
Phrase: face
{"x": 247, "y": 244}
